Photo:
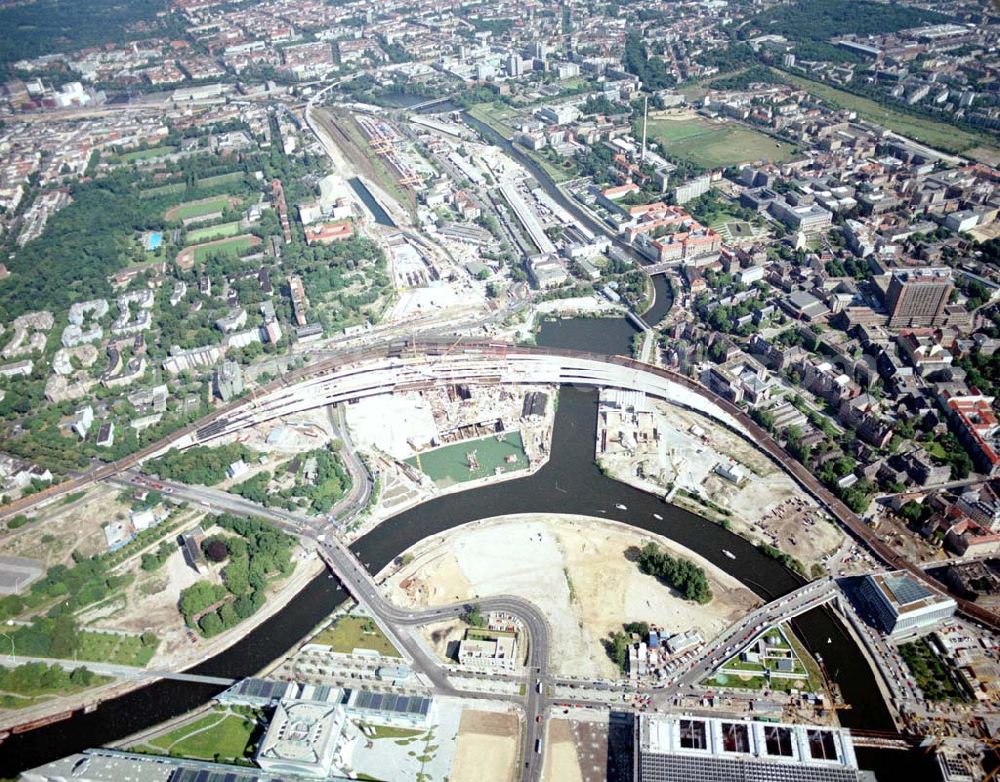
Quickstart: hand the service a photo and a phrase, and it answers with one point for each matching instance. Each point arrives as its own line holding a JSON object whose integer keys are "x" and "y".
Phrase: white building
{"x": 904, "y": 606}
{"x": 709, "y": 749}
{"x": 499, "y": 652}
{"x": 309, "y": 739}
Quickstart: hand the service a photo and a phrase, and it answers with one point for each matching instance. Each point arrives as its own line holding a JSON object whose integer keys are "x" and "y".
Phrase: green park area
{"x": 497, "y": 115}
{"x": 472, "y": 459}
{"x": 932, "y": 674}
{"x": 348, "y": 633}
{"x": 32, "y": 683}
{"x": 716, "y": 144}
{"x": 207, "y": 234}
{"x": 222, "y": 735}
{"x": 144, "y": 154}
{"x": 114, "y": 648}
{"x": 775, "y": 661}
{"x": 937, "y": 134}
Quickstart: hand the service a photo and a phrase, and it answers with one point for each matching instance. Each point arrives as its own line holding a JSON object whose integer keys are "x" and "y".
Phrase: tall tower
{"x": 645, "y": 117}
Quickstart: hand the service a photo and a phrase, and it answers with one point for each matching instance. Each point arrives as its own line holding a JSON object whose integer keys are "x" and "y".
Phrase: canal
{"x": 569, "y": 483}
{"x": 380, "y": 215}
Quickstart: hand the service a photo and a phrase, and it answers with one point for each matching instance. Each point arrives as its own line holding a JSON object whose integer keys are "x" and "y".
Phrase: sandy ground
{"x": 487, "y": 747}
{"x": 767, "y": 506}
{"x": 561, "y": 761}
{"x": 575, "y": 569}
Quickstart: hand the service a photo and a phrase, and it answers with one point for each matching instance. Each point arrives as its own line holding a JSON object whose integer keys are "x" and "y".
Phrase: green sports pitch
{"x": 716, "y": 144}
{"x": 207, "y": 234}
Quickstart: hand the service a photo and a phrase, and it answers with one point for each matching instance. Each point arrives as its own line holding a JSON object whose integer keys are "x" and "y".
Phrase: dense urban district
{"x": 462, "y": 391}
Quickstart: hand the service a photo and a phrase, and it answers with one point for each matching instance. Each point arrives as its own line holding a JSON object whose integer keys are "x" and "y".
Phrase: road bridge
{"x": 515, "y": 364}
{"x": 754, "y": 625}
{"x": 662, "y": 267}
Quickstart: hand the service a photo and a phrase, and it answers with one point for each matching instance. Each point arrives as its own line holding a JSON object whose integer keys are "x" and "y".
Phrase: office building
{"x": 903, "y": 606}
{"x": 228, "y": 381}
{"x": 671, "y": 748}
{"x": 307, "y": 738}
{"x": 917, "y": 297}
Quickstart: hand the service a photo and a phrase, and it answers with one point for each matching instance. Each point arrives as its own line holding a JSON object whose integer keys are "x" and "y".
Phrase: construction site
{"x": 447, "y": 435}
{"x": 695, "y": 463}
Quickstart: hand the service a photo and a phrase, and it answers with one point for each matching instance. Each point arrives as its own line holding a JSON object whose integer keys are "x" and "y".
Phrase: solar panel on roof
{"x": 906, "y": 589}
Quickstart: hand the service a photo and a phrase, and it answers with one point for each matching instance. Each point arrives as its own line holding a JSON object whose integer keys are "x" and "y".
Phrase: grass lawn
{"x": 716, "y": 144}
{"x": 557, "y": 172}
{"x": 355, "y": 632}
{"x": 382, "y": 732}
{"x": 228, "y": 736}
{"x": 111, "y": 648}
{"x": 449, "y": 464}
{"x": 219, "y": 179}
{"x": 929, "y": 131}
{"x": 144, "y": 154}
{"x": 221, "y": 231}
{"x": 497, "y": 116}
{"x": 236, "y": 246}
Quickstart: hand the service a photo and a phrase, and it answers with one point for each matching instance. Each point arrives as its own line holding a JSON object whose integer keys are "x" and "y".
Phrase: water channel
{"x": 569, "y": 483}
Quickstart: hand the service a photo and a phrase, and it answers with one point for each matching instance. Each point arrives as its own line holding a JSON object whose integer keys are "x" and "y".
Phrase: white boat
{"x": 620, "y": 506}
{"x": 658, "y": 517}
{"x": 728, "y": 553}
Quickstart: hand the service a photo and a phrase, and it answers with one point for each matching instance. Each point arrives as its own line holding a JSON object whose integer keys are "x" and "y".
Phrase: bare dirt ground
{"x": 767, "y": 506}
{"x": 575, "y": 569}
{"x": 486, "y": 747}
{"x": 561, "y": 761}
{"x": 59, "y": 530}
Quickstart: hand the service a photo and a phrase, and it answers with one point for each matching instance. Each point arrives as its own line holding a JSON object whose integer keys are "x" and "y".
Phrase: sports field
{"x": 174, "y": 188}
{"x": 236, "y": 246}
{"x": 221, "y": 231}
{"x": 200, "y": 208}
{"x": 716, "y": 144}
{"x": 219, "y": 179}
{"x": 472, "y": 459}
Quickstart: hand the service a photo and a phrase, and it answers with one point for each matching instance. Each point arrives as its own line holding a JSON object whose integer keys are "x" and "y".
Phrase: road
{"x": 320, "y": 534}
{"x": 753, "y": 625}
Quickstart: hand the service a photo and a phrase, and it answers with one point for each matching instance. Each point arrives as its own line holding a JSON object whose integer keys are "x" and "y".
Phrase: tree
{"x": 473, "y": 617}
{"x": 215, "y": 549}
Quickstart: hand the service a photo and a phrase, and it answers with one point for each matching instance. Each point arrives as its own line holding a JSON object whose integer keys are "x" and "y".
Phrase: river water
{"x": 569, "y": 483}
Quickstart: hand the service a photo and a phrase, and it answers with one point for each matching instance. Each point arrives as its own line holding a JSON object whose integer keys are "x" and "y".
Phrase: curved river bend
{"x": 569, "y": 483}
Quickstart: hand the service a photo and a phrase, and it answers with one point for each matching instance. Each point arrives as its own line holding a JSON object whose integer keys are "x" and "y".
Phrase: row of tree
{"x": 680, "y": 574}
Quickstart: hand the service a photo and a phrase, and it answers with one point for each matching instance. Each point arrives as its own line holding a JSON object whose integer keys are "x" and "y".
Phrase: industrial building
{"x": 903, "y": 606}
{"x": 671, "y": 748}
